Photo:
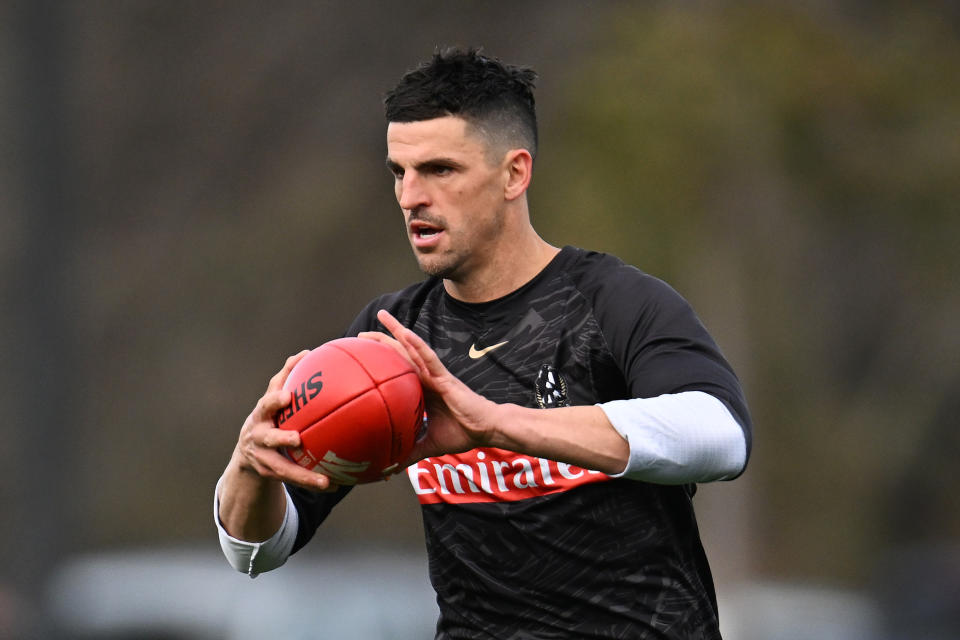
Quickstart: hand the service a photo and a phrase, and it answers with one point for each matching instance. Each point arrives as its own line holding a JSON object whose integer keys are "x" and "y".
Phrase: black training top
{"x": 523, "y": 547}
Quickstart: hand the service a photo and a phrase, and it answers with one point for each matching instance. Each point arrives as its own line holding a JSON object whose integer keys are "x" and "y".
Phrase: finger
{"x": 280, "y": 467}
{"x": 384, "y": 339}
{"x": 376, "y": 336}
{"x": 280, "y": 377}
{"x": 392, "y": 324}
{"x": 420, "y": 352}
{"x": 272, "y": 402}
{"x": 280, "y": 439}
{"x": 297, "y": 475}
{"x": 400, "y": 332}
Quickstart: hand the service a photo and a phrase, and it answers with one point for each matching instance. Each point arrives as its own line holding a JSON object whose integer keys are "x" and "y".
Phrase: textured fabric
{"x": 521, "y": 547}
{"x": 253, "y": 558}
{"x": 678, "y": 438}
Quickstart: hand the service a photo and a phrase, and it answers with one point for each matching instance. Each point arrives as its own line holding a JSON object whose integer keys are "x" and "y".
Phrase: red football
{"x": 358, "y": 406}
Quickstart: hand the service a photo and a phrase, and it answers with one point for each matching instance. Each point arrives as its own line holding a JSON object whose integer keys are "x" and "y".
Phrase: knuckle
{"x": 269, "y": 403}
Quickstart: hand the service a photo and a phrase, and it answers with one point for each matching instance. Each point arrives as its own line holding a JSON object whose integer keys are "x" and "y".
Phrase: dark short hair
{"x": 496, "y": 99}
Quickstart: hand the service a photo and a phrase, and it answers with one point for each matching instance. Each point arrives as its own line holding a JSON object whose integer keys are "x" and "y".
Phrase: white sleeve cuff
{"x": 253, "y": 558}
{"x": 678, "y": 438}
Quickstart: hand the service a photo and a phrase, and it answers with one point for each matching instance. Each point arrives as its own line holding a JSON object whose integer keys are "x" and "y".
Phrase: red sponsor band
{"x": 493, "y": 475}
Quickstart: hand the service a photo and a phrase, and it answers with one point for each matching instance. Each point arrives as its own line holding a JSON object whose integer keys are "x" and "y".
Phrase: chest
{"x": 540, "y": 351}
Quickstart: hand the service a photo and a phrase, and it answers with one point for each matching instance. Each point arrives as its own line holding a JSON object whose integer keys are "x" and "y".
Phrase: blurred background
{"x": 190, "y": 192}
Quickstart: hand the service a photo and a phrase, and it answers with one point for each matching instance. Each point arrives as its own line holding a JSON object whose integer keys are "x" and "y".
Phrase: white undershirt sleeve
{"x": 678, "y": 438}
{"x": 253, "y": 558}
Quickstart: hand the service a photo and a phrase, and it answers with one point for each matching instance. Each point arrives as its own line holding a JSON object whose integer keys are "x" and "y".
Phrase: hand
{"x": 258, "y": 448}
{"x": 458, "y": 419}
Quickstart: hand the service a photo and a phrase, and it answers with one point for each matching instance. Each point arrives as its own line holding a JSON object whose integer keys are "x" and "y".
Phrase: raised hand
{"x": 458, "y": 419}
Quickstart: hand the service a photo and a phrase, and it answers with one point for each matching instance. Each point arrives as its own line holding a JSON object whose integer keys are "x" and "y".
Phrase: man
{"x": 572, "y": 400}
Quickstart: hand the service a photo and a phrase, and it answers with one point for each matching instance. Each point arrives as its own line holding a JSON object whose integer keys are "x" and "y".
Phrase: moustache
{"x": 417, "y": 215}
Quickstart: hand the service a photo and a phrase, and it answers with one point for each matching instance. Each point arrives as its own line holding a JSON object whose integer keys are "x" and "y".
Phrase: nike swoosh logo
{"x": 475, "y": 353}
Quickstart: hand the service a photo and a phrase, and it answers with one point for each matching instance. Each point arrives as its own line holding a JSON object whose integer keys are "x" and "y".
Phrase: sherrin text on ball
{"x": 358, "y": 406}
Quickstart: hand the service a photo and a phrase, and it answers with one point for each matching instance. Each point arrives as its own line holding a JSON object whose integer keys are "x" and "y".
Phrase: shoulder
{"x": 609, "y": 282}
{"x": 404, "y": 304}
{"x": 633, "y": 309}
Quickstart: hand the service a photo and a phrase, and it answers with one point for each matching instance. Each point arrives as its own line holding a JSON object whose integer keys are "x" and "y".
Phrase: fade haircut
{"x": 495, "y": 99}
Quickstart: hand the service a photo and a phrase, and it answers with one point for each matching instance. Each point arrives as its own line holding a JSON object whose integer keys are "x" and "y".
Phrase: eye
{"x": 395, "y": 169}
{"x": 441, "y": 170}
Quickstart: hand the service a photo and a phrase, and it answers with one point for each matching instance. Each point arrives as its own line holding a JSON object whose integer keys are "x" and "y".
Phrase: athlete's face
{"x": 451, "y": 194}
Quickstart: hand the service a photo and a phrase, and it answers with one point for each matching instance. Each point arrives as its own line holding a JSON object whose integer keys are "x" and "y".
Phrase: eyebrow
{"x": 440, "y": 161}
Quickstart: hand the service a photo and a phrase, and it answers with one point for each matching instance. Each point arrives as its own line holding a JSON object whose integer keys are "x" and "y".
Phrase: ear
{"x": 518, "y": 165}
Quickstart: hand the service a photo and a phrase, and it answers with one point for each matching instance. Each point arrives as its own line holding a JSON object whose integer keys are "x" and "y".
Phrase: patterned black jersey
{"x": 522, "y": 547}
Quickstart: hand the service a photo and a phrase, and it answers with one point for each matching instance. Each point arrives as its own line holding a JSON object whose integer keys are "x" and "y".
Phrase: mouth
{"x": 424, "y": 234}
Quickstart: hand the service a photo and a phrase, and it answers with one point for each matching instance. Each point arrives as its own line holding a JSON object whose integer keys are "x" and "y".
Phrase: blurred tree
{"x": 228, "y": 206}
{"x": 790, "y": 169}
{"x": 795, "y": 174}
{"x": 40, "y": 353}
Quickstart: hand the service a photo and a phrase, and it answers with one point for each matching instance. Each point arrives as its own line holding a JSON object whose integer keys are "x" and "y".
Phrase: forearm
{"x": 581, "y": 436}
{"x": 254, "y": 558}
{"x": 679, "y": 438}
{"x": 251, "y": 507}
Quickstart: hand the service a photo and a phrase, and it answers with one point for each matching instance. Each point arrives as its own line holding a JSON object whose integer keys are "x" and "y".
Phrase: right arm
{"x": 266, "y": 506}
{"x": 252, "y": 507}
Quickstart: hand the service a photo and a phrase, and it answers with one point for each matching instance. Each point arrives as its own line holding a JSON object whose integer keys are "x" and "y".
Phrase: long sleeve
{"x": 254, "y": 558}
{"x": 679, "y": 438}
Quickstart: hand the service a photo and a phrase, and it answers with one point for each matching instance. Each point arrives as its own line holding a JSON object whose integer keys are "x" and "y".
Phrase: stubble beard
{"x": 454, "y": 264}
{"x": 439, "y": 266}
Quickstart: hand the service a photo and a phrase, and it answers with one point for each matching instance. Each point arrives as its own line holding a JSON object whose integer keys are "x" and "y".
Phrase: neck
{"x": 505, "y": 272}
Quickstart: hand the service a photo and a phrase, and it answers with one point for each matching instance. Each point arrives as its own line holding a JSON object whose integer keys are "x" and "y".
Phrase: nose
{"x": 411, "y": 193}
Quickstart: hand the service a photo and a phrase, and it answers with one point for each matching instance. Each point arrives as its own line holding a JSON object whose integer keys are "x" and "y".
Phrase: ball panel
{"x": 379, "y": 360}
{"x": 403, "y": 397}
{"x": 323, "y": 380}
{"x": 353, "y": 427}
{"x": 352, "y": 443}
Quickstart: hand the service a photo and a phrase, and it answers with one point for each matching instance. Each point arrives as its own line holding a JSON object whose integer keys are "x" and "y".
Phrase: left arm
{"x": 585, "y": 436}
{"x": 581, "y": 436}
{"x": 677, "y": 438}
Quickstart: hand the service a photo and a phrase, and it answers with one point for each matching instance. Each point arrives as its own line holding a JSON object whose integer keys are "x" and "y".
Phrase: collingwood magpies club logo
{"x": 551, "y": 388}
